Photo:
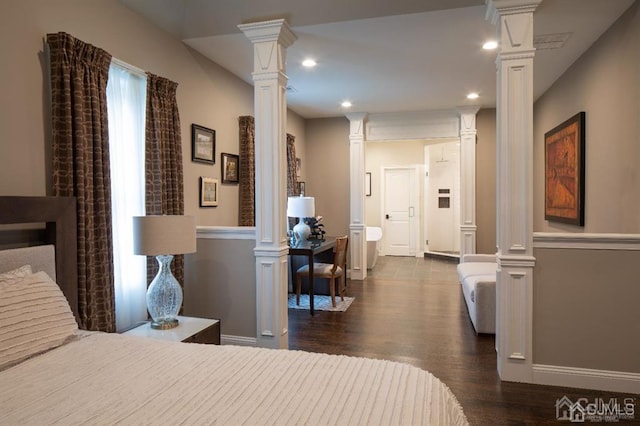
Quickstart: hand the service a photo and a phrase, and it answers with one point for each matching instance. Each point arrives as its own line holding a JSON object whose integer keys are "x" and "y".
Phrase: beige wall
{"x": 207, "y": 94}
{"x": 327, "y": 171}
{"x": 486, "y": 181}
{"x": 585, "y": 301}
{"x": 585, "y": 311}
{"x": 605, "y": 83}
{"x": 389, "y": 154}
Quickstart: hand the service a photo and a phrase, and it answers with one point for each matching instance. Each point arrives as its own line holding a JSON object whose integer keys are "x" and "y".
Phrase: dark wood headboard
{"x": 59, "y": 215}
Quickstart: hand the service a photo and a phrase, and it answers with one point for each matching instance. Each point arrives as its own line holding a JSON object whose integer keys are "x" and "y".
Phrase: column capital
{"x": 274, "y": 30}
{"x": 356, "y": 128}
{"x": 357, "y": 116}
{"x": 497, "y": 8}
{"x": 468, "y": 109}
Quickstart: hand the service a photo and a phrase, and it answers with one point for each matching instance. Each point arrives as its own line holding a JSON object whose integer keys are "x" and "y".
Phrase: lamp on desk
{"x": 301, "y": 207}
{"x": 163, "y": 237}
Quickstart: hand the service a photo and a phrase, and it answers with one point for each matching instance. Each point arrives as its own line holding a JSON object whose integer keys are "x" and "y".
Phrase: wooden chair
{"x": 329, "y": 271}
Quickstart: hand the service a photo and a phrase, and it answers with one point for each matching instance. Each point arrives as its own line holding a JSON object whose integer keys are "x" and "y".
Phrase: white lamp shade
{"x": 164, "y": 235}
{"x": 301, "y": 207}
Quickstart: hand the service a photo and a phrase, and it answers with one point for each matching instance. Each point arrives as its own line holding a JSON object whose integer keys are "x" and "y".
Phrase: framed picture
{"x": 564, "y": 171}
{"x": 367, "y": 184}
{"x": 230, "y": 168}
{"x": 298, "y": 166}
{"x": 301, "y": 188}
{"x": 203, "y": 144}
{"x": 208, "y": 192}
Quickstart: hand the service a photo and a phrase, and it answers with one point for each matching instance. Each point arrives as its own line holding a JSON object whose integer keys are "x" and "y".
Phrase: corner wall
{"x": 585, "y": 323}
{"x": 220, "y": 281}
{"x": 605, "y": 83}
{"x": 327, "y": 171}
{"x": 486, "y": 181}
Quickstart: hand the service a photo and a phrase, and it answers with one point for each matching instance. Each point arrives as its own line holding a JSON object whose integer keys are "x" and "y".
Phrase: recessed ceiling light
{"x": 309, "y": 63}
{"x": 490, "y": 45}
{"x": 346, "y": 104}
{"x": 473, "y": 95}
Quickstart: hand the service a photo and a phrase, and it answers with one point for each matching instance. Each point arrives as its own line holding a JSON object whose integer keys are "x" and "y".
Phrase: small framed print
{"x": 301, "y": 188}
{"x": 208, "y": 192}
{"x": 203, "y": 144}
{"x": 230, "y": 168}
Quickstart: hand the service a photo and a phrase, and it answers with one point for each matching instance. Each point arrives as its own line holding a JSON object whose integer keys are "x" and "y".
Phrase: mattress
{"x": 104, "y": 378}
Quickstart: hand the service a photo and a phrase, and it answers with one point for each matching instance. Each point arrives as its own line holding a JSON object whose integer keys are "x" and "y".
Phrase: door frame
{"x": 456, "y": 200}
{"x": 415, "y": 224}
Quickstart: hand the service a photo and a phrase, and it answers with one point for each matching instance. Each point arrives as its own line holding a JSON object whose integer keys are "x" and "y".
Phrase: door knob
{"x": 386, "y": 216}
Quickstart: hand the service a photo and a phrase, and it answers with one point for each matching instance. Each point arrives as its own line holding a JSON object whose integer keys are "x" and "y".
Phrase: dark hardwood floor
{"x": 412, "y": 310}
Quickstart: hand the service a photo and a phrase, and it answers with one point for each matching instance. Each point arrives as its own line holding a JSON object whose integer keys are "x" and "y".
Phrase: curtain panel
{"x": 163, "y": 151}
{"x": 247, "y": 184}
{"x": 292, "y": 175}
{"x": 80, "y": 147}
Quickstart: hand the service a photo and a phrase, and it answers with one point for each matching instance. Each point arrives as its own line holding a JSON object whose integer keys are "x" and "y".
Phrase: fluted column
{"x": 468, "y": 226}
{"x": 357, "y": 218}
{"x": 270, "y": 41}
{"x": 514, "y": 289}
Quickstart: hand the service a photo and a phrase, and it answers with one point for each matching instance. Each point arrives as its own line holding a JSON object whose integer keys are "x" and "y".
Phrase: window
{"x": 126, "y": 103}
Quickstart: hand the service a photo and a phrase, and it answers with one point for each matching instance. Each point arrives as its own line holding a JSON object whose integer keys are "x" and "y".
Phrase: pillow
{"x": 21, "y": 272}
{"x": 34, "y": 317}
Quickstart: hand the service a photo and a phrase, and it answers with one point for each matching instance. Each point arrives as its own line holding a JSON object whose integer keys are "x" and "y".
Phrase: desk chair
{"x": 329, "y": 271}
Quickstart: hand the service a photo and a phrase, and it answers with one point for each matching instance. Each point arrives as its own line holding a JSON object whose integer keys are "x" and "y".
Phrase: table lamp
{"x": 163, "y": 237}
{"x": 301, "y": 207}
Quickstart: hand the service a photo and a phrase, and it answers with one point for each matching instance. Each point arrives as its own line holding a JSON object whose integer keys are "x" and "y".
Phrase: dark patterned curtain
{"x": 163, "y": 151}
{"x": 247, "y": 171}
{"x": 79, "y": 73}
{"x": 292, "y": 175}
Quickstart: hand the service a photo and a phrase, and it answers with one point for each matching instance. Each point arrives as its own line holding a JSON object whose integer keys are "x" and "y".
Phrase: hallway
{"x": 412, "y": 310}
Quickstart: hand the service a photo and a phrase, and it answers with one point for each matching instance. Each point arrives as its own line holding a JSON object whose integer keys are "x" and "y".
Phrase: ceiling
{"x": 382, "y": 55}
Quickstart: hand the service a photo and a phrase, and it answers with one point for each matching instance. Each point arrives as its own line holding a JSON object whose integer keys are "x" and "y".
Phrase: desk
{"x": 311, "y": 248}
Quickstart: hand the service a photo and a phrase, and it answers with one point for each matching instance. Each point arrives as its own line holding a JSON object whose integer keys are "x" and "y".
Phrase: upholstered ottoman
{"x": 477, "y": 275}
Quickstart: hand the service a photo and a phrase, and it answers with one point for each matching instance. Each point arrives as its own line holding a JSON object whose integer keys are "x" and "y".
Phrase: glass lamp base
{"x": 164, "y": 324}
{"x": 164, "y": 296}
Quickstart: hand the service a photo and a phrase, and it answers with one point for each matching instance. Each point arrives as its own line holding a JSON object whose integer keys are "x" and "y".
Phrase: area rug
{"x": 320, "y": 303}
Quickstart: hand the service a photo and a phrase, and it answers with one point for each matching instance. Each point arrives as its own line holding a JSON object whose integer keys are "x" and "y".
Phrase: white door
{"x": 443, "y": 198}
{"x": 399, "y": 211}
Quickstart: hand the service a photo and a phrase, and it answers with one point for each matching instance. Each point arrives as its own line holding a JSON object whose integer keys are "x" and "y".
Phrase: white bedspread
{"x": 110, "y": 379}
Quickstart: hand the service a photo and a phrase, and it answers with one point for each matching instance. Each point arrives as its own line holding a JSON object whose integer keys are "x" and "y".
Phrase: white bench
{"x": 477, "y": 275}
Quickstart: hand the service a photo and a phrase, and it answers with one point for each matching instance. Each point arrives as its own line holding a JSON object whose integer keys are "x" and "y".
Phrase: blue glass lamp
{"x": 163, "y": 237}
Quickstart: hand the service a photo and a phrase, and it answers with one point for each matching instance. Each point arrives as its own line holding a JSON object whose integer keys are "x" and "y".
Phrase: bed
{"x": 53, "y": 373}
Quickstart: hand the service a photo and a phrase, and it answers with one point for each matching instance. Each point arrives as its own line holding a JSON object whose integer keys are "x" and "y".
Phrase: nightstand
{"x": 189, "y": 330}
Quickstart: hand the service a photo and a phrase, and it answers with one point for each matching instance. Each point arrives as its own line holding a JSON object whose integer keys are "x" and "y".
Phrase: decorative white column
{"x": 514, "y": 291}
{"x": 270, "y": 40}
{"x": 468, "y": 225}
{"x": 357, "y": 218}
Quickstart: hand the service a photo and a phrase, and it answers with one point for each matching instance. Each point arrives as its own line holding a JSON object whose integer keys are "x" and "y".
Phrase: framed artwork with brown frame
{"x": 230, "y": 168}
{"x": 203, "y": 144}
{"x": 208, "y": 192}
{"x": 564, "y": 167}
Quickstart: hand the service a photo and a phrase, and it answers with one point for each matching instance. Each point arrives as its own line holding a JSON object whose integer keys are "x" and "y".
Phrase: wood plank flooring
{"x": 412, "y": 310}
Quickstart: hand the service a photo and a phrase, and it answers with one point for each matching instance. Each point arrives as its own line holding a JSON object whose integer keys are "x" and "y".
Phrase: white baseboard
{"x": 584, "y": 378}
{"x": 226, "y": 339}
